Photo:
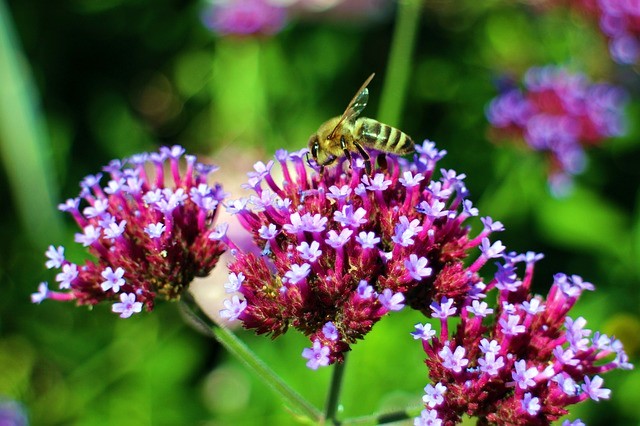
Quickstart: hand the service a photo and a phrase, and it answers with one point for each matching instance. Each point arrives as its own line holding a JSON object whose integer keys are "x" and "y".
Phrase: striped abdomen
{"x": 382, "y": 137}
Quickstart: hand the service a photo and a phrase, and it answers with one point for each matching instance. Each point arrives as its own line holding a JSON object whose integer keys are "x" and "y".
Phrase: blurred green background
{"x": 86, "y": 81}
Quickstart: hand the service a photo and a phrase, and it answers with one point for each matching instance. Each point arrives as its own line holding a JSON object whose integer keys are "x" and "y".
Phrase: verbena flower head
{"x": 559, "y": 113}
{"x": 619, "y": 21}
{"x": 149, "y": 233}
{"x": 245, "y": 17}
{"x": 341, "y": 249}
{"x": 518, "y": 359}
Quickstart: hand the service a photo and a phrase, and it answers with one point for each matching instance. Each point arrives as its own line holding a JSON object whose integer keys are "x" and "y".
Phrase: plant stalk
{"x": 239, "y": 350}
{"x": 334, "y": 392}
{"x": 394, "y": 90}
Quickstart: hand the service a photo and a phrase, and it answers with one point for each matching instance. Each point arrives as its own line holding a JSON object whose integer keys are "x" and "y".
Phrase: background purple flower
{"x": 245, "y": 17}
{"x": 559, "y": 113}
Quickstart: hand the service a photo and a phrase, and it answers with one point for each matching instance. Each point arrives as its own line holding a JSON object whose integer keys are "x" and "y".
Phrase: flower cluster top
{"x": 559, "y": 113}
{"x": 514, "y": 358}
{"x": 263, "y": 18}
{"x": 245, "y": 17}
{"x": 150, "y": 234}
{"x": 619, "y": 21}
{"x": 339, "y": 250}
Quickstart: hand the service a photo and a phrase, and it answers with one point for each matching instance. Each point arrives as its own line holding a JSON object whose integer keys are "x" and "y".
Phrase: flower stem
{"x": 25, "y": 150}
{"x": 334, "y": 391}
{"x": 238, "y": 349}
{"x": 394, "y": 89}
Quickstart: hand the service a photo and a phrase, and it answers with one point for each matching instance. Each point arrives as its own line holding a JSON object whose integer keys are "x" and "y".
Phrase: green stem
{"x": 239, "y": 100}
{"x": 334, "y": 392}
{"x": 24, "y": 146}
{"x": 399, "y": 65}
{"x": 239, "y": 350}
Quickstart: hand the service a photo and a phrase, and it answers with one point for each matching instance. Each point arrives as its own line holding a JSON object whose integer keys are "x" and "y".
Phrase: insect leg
{"x": 365, "y": 157}
{"x": 328, "y": 161}
{"x": 343, "y": 145}
{"x": 382, "y": 161}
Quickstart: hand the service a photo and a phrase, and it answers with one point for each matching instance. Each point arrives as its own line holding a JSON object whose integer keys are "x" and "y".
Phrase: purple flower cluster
{"x": 619, "y": 21}
{"x": 341, "y": 249}
{"x": 559, "y": 113}
{"x": 245, "y": 17}
{"x": 151, "y": 234}
{"x": 519, "y": 361}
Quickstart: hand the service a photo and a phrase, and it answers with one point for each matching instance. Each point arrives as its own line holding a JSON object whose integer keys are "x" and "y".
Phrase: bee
{"x": 342, "y": 135}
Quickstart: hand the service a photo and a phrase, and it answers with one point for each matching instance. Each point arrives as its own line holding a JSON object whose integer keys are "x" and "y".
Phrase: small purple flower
{"x": 531, "y": 404}
{"x": 455, "y": 360}
{"x": 89, "y": 235}
{"x": 511, "y": 325}
{"x": 417, "y": 267}
{"x": 336, "y": 240}
{"x": 330, "y": 331}
{"x": 347, "y": 217}
{"x": 378, "y": 183}
{"x": 391, "y": 301}
{"x": 487, "y": 346}
{"x": 113, "y": 279}
{"x": 318, "y": 355}
{"x": 428, "y": 418}
{"x": 339, "y": 193}
{"x": 55, "y": 256}
{"x": 434, "y": 395}
{"x": 233, "y": 308}
{"x": 97, "y": 209}
{"x": 234, "y": 282}
{"x": 267, "y": 232}
{"x": 297, "y": 273}
{"x": 410, "y": 180}
{"x": 155, "y": 230}
{"x": 114, "y": 230}
{"x": 491, "y": 250}
{"x": 67, "y": 276}
{"x": 309, "y": 252}
{"x": 41, "y": 294}
{"x": 127, "y": 305}
{"x": 423, "y": 332}
{"x": 405, "y": 231}
{"x": 364, "y": 290}
{"x": 367, "y": 240}
{"x": 533, "y": 307}
{"x": 490, "y": 364}
{"x": 444, "y": 309}
{"x": 594, "y": 388}
{"x": 480, "y": 309}
{"x": 524, "y": 376}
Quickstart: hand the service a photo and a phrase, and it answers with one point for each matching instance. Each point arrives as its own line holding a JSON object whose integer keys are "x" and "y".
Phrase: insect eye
{"x": 314, "y": 149}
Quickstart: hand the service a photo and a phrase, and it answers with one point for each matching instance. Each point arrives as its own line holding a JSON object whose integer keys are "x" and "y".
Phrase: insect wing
{"x": 356, "y": 106}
